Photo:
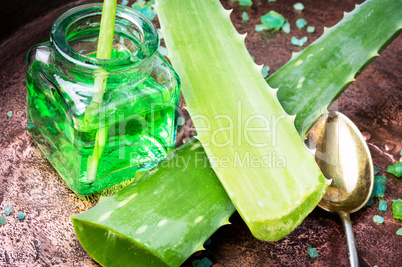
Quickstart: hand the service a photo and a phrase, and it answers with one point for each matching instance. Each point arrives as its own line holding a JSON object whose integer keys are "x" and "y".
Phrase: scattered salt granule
{"x": 370, "y": 202}
{"x": 208, "y": 242}
{"x": 260, "y": 28}
{"x": 298, "y": 42}
{"x": 298, "y": 6}
{"x": 300, "y": 23}
{"x": 376, "y": 170}
{"x": 310, "y": 29}
{"x": 378, "y": 219}
{"x": 20, "y": 216}
{"x": 397, "y": 208}
{"x": 265, "y": 71}
{"x": 180, "y": 121}
{"x": 146, "y": 8}
{"x": 273, "y": 20}
{"x": 399, "y": 231}
{"x": 244, "y": 16}
{"x": 205, "y": 262}
{"x": 312, "y": 252}
{"x": 245, "y": 3}
{"x": 379, "y": 186}
{"x": 2, "y": 220}
{"x": 286, "y": 27}
{"x": 8, "y": 210}
{"x": 383, "y": 205}
{"x": 395, "y": 169}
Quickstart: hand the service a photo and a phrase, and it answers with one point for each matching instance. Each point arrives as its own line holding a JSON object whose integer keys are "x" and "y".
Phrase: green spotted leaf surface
{"x": 315, "y": 77}
{"x": 271, "y": 178}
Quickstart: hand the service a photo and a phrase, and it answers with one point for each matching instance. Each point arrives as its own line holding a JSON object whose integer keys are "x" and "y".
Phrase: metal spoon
{"x": 343, "y": 156}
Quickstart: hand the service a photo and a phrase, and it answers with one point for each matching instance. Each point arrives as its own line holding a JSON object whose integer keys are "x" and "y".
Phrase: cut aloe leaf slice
{"x": 160, "y": 219}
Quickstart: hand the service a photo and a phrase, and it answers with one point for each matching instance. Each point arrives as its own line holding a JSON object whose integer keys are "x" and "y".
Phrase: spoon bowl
{"x": 343, "y": 156}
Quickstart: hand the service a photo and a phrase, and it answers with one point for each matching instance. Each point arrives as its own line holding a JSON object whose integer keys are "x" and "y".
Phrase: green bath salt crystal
{"x": 286, "y": 27}
{"x": 298, "y": 6}
{"x": 273, "y": 20}
{"x": 399, "y": 232}
{"x": 312, "y": 252}
{"x": 395, "y": 169}
{"x": 260, "y": 28}
{"x": 397, "y": 208}
{"x": 378, "y": 219}
{"x": 146, "y": 8}
{"x": 205, "y": 262}
{"x": 310, "y": 29}
{"x": 300, "y": 23}
{"x": 370, "y": 202}
{"x": 2, "y": 220}
{"x": 244, "y": 16}
{"x": 8, "y": 210}
{"x": 376, "y": 170}
{"x": 298, "y": 42}
{"x": 382, "y": 206}
{"x": 197, "y": 263}
{"x": 208, "y": 242}
{"x": 379, "y": 186}
{"x": 265, "y": 71}
{"x": 180, "y": 121}
{"x": 245, "y": 3}
{"x": 295, "y": 41}
{"x": 10, "y": 113}
{"x": 20, "y": 216}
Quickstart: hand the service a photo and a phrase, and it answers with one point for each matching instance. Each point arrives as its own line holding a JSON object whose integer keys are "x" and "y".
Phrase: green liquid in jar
{"x": 95, "y": 140}
{"x": 140, "y": 118}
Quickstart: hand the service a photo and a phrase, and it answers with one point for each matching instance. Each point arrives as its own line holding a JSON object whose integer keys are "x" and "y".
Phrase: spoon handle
{"x": 350, "y": 238}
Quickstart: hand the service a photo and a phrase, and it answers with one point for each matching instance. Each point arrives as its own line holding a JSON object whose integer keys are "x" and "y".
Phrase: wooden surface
{"x": 46, "y": 236}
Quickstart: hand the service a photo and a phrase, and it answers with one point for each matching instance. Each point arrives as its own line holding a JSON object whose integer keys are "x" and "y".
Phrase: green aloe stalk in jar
{"x": 104, "y": 51}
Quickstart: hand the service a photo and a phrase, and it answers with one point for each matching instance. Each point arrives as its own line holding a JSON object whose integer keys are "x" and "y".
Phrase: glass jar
{"x": 100, "y": 121}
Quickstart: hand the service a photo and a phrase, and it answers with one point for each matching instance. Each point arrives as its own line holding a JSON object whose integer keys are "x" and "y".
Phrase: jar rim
{"x": 59, "y": 40}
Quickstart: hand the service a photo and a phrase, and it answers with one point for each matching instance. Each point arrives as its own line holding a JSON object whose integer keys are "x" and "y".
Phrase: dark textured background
{"x": 29, "y": 184}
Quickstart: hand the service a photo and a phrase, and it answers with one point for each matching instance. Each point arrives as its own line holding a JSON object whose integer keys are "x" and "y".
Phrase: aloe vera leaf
{"x": 271, "y": 178}
{"x": 95, "y": 245}
{"x": 315, "y": 77}
{"x": 160, "y": 219}
{"x": 104, "y": 51}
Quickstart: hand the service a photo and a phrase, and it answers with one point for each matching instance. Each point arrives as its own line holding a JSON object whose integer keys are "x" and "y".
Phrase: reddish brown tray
{"x": 29, "y": 184}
